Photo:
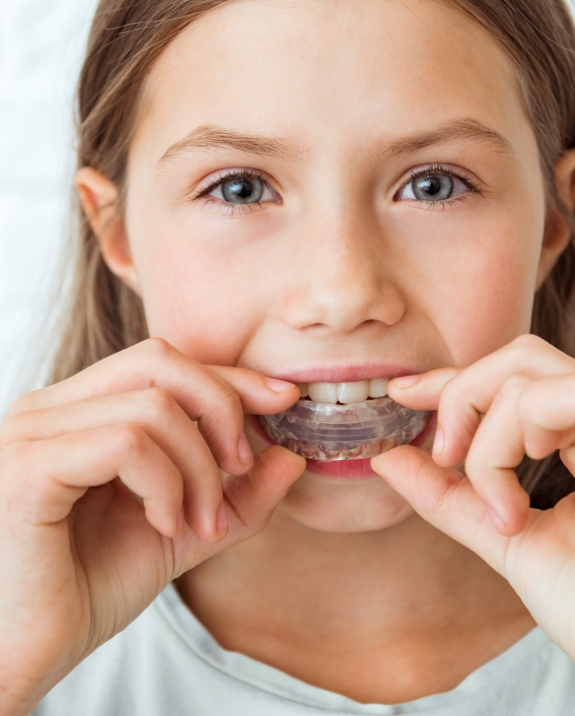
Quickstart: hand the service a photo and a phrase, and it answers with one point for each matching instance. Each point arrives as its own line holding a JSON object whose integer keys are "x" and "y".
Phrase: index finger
{"x": 462, "y": 396}
{"x": 216, "y": 402}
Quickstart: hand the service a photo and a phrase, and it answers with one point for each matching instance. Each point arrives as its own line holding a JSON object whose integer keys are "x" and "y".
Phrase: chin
{"x": 344, "y": 506}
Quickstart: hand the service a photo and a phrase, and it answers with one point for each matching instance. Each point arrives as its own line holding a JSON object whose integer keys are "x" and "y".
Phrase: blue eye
{"x": 433, "y": 187}
{"x": 241, "y": 188}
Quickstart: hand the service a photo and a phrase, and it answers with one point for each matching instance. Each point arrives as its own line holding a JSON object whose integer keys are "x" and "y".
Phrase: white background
{"x": 41, "y": 48}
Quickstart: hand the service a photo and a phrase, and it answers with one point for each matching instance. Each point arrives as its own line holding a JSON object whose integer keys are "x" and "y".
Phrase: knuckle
{"x": 529, "y": 341}
{"x": 450, "y": 393}
{"x": 13, "y": 459}
{"x": 158, "y": 348}
{"x": 229, "y": 399}
{"x": 13, "y": 427}
{"x": 513, "y": 384}
{"x": 526, "y": 348}
{"x": 158, "y": 402}
{"x": 20, "y": 405}
{"x": 130, "y": 439}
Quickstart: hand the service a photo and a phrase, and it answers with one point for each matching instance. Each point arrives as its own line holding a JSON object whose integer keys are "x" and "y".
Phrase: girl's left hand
{"x": 518, "y": 401}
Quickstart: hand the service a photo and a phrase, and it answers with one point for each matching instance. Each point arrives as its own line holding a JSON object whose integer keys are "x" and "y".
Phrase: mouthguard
{"x": 326, "y": 431}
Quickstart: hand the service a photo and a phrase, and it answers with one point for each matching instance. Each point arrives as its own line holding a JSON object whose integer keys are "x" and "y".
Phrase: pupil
{"x": 434, "y": 187}
{"x": 242, "y": 190}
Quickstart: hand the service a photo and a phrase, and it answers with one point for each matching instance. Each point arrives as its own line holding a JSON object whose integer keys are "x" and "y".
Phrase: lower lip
{"x": 349, "y": 469}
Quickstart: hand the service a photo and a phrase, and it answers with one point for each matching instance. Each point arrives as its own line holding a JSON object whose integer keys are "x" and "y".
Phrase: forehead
{"x": 327, "y": 70}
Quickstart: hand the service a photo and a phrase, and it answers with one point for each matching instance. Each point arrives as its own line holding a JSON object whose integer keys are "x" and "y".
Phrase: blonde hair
{"x": 105, "y": 316}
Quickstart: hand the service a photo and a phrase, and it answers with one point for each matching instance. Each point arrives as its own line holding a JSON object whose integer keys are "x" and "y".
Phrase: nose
{"x": 341, "y": 280}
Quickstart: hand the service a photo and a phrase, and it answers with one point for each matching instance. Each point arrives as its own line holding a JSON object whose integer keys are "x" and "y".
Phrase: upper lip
{"x": 345, "y": 374}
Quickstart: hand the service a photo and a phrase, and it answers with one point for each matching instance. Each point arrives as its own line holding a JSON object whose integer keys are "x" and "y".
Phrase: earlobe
{"x": 559, "y": 231}
{"x": 99, "y": 199}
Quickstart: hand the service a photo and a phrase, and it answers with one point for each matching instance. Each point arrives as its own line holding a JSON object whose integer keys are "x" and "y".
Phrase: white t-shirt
{"x": 166, "y": 664}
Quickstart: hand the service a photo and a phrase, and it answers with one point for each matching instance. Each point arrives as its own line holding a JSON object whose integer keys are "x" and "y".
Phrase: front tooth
{"x": 303, "y": 391}
{"x": 323, "y": 392}
{"x": 378, "y": 387}
{"x": 353, "y": 392}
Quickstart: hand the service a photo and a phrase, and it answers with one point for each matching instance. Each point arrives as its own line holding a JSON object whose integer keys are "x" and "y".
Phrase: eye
{"x": 433, "y": 186}
{"x": 241, "y": 188}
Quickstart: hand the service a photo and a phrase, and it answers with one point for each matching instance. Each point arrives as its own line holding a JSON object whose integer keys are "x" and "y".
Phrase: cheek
{"x": 476, "y": 285}
{"x": 205, "y": 302}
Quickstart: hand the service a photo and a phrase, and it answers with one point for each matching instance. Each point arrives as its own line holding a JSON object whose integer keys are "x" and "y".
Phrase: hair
{"x": 127, "y": 36}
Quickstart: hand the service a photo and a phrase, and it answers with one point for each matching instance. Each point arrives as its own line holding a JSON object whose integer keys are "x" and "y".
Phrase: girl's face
{"x": 333, "y": 256}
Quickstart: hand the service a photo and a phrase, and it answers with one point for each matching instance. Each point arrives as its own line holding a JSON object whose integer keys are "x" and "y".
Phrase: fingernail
{"x": 245, "y": 454}
{"x": 406, "y": 381}
{"x": 279, "y": 386}
{"x": 221, "y": 519}
{"x": 497, "y": 521}
{"x": 180, "y": 520}
{"x": 439, "y": 441}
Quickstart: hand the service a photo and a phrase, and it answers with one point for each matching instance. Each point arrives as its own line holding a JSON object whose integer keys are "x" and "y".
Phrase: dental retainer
{"x": 328, "y": 431}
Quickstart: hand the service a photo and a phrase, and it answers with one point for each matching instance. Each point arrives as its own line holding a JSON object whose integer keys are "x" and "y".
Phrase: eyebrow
{"x": 209, "y": 137}
{"x": 459, "y": 129}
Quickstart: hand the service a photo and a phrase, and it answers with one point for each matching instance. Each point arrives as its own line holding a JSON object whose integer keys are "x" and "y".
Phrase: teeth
{"x": 323, "y": 392}
{"x": 378, "y": 387}
{"x": 352, "y": 392}
{"x": 345, "y": 393}
{"x": 303, "y": 390}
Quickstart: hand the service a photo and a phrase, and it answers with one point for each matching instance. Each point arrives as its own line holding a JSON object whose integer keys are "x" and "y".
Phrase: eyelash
{"x": 445, "y": 171}
{"x": 226, "y": 176}
{"x": 251, "y": 174}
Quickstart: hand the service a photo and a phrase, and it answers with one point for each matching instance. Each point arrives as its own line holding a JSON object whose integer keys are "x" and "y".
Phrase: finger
{"x": 421, "y": 392}
{"x": 469, "y": 394}
{"x": 498, "y": 448}
{"x": 159, "y": 415}
{"x": 258, "y": 393}
{"x": 43, "y": 479}
{"x": 252, "y": 498}
{"x": 249, "y": 503}
{"x": 567, "y": 456}
{"x": 425, "y": 392}
{"x": 204, "y": 396}
{"x": 547, "y": 412}
{"x": 446, "y": 499}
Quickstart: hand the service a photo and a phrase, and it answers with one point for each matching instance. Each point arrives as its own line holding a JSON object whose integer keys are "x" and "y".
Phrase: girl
{"x": 322, "y": 194}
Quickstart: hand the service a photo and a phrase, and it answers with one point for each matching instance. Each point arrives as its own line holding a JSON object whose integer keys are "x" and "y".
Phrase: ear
{"x": 99, "y": 199}
{"x": 558, "y": 233}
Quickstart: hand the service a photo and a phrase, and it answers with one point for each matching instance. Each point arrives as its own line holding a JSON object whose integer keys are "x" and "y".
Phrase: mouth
{"x": 344, "y": 421}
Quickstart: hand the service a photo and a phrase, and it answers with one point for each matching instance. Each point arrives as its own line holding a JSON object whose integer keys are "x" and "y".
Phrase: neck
{"x": 404, "y": 598}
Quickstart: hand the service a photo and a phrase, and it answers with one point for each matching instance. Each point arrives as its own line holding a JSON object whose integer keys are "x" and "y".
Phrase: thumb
{"x": 252, "y": 498}
{"x": 445, "y": 498}
{"x": 248, "y": 504}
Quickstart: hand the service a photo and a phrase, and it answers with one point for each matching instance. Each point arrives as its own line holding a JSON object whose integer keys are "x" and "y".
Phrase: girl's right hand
{"x": 80, "y": 555}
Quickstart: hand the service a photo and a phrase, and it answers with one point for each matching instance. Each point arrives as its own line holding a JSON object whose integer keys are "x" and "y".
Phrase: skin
{"x": 408, "y": 575}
